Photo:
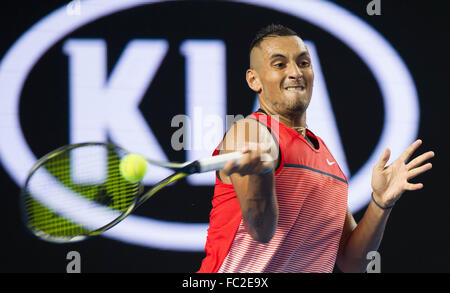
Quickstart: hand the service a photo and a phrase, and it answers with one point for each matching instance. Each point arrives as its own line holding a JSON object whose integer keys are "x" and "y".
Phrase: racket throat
{"x": 191, "y": 168}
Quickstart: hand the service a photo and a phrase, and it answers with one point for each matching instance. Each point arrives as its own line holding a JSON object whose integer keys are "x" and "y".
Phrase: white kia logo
{"x": 401, "y": 109}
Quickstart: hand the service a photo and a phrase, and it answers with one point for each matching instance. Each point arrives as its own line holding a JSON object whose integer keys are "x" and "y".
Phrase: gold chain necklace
{"x": 300, "y": 129}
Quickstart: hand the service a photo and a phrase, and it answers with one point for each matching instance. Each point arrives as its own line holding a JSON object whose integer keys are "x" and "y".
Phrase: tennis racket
{"x": 77, "y": 191}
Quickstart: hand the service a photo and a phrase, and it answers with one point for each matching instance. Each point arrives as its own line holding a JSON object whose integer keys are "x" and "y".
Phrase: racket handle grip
{"x": 218, "y": 162}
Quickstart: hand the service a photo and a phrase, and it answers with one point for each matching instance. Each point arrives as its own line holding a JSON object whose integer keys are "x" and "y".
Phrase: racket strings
{"x": 77, "y": 191}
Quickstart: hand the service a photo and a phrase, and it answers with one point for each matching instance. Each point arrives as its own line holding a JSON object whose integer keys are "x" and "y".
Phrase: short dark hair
{"x": 272, "y": 30}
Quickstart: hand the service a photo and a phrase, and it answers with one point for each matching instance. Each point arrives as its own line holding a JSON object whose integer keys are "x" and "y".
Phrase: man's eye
{"x": 305, "y": 64}
{"x": 278, "y": 65}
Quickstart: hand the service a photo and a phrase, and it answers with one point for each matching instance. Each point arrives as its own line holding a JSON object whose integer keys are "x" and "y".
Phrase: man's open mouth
{"x": 295, "y": 88}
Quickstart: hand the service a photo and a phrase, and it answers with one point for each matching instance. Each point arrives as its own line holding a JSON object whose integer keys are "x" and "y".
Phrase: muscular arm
{"x": 255, "y": 191}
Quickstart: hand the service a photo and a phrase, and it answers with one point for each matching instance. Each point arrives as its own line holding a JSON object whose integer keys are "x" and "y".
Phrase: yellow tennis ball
{"x": 133, "y": 167}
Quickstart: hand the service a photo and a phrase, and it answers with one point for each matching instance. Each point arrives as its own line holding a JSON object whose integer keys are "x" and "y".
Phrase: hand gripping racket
{"x": 77, "y": 191}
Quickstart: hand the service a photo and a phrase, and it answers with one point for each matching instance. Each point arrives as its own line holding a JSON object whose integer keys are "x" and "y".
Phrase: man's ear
{"x": 253, "y": 80}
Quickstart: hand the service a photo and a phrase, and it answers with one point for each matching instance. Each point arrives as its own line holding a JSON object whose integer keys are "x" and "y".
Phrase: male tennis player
{"x": 294, "y": 217}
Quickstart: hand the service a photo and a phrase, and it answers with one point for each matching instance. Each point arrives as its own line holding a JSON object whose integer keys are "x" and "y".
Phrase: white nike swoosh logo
{"x": 330, "y": 163}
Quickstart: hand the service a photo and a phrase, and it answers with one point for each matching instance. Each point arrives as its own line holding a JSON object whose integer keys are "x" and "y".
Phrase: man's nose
{"x": 294, "y": 72}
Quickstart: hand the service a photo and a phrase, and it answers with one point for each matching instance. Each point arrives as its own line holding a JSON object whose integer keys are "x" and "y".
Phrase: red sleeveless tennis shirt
{"x": 311, "y": 192}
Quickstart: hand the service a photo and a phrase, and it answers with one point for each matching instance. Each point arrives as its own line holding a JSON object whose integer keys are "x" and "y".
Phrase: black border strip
{"x": 315, "y": 170}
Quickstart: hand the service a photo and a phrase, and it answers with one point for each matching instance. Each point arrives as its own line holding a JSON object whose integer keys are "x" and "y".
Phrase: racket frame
{"x": 181, "y": 170}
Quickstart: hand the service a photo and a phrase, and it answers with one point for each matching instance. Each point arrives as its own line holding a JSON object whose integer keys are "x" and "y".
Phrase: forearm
{"x": 259, "y": 207}
{"x": 365, "y": 237}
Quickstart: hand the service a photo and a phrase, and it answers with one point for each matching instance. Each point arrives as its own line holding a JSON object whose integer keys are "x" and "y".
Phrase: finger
{"x": 410, "y": 150}
{"x": 268, "y": 165}
{"x": 253, "y": 156}
{"x": 419, "y": 160}
{"x": 229, "y": 167}
{"x": 253, "y": 162}
{"x": 245, "y": 160}
{"x": 384, "y": 159}
{"x": 257, "y": 162}
{"x": 266, "y": 157}
{"x": 413, "y": 186}
{"x": 417, "y": 171}
{"x": 256, "y": 155}
{"x": 238, "y": 166}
